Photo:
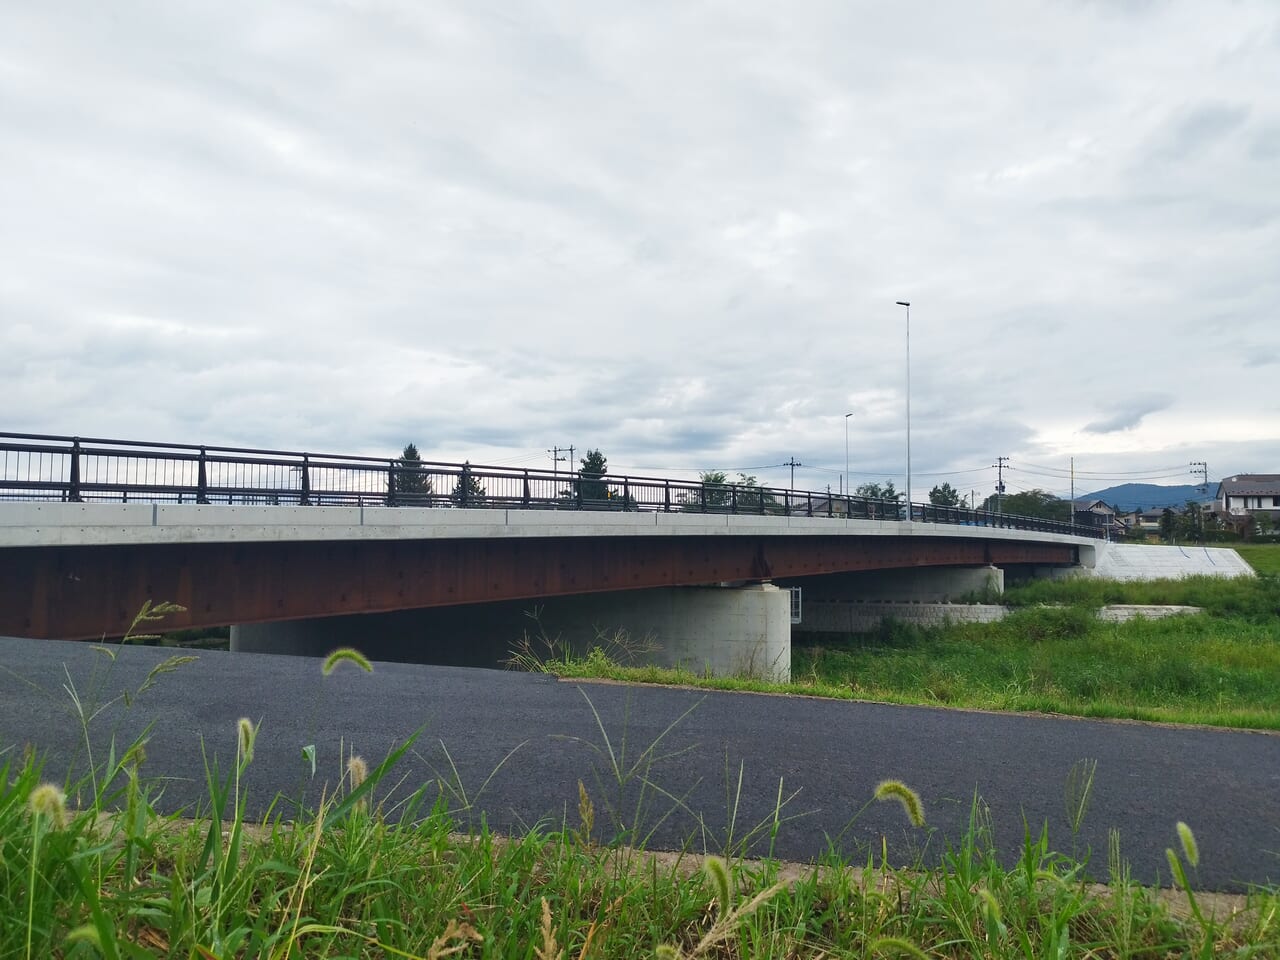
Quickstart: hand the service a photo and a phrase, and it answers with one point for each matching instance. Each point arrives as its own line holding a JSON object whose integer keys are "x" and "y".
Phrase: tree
{"x": 590, "y": 483}
{"x": 409, "y": 480}
{"x": 468, "y": 491}
{"x": 1168, "y": 524}
{"x": 878, "y": 491}
{"x": 749, "y": 493}
{"x": 944, "y": 496}
{"x": 1190, "y": 523}
{"x": 715, "y": 489}
{"x": 1031, "y": 503}
{"x": 721, "y": 493}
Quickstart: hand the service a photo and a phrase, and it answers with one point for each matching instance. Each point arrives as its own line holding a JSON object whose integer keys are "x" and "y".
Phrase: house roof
{"x": 1250, "y": 484}
{"x": 1096, "y": 506}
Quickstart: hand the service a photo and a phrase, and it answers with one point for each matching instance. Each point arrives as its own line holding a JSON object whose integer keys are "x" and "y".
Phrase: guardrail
{"x": 38, "y": 467}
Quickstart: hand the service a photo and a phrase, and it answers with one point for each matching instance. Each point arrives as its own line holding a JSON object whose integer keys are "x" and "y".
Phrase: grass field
{"x": 1220, "y": 667}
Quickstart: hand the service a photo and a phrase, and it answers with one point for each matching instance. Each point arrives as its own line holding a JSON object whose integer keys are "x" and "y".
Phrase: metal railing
{"x": 38, "y": 467}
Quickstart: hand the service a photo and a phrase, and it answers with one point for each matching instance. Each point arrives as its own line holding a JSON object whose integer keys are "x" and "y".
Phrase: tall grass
{"x": 1195, "y": 669}
{"x": 1257, "y": 599}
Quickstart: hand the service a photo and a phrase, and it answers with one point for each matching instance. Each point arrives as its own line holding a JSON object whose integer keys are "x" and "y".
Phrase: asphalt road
{"x": 520, "y": 743}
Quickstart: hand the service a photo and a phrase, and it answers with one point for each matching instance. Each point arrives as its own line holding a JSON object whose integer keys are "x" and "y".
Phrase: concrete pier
{"x": 720, "y": 630}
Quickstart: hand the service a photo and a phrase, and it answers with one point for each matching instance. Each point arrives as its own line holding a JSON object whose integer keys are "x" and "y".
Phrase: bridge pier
{"x": 957, "y": 584}
{"x": 857, "y": 602}
{"x": 722, "y": 630}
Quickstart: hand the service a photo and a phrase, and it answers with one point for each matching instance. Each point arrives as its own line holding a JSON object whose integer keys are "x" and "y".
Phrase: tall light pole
{"x": 847, "y": 490}
{"x": 907, "y": 304}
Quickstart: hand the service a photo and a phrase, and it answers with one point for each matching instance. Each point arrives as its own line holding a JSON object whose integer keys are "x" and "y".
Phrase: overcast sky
{"x": 672, "y": 231}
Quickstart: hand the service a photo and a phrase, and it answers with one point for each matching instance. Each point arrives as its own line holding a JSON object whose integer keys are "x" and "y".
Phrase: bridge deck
{"x": 83, "y": 570}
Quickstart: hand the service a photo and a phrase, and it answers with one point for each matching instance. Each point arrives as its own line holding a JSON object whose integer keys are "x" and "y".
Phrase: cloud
{"x": 1130, "y": 413}
{"x": 1199, "y": 129}
{"x": 676, "y": 234}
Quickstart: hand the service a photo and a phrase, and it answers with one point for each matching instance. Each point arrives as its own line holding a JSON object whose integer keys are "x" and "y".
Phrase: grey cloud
{"x": 1199, "y": 128}
{"x": 1262, "y": 357}
{"x": 677, "y": 236}
{"x": 1129, "y": 414}
{"x": 1266, "y": 144}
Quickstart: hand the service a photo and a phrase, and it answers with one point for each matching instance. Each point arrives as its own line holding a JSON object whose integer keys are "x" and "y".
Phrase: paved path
{"x": 1226, "y": 785}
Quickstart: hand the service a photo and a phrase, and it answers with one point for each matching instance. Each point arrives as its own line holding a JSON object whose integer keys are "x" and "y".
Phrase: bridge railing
{"x": 37, "y": 467}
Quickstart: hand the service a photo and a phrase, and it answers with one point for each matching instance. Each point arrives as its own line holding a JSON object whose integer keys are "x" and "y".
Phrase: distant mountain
{"x": 1150, "y": 496}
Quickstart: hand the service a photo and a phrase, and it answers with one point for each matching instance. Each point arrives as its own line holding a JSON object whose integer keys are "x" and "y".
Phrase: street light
{"x": 847, "y": 490}
{"x": 907, "y": 304}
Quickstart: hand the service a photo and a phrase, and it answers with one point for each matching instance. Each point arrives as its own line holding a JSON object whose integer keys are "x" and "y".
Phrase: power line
{"x": 1113, "y": 473}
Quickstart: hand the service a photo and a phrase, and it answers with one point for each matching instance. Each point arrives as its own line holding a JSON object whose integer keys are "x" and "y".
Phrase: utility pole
{"x": 793, "y": 463}
{"x": 1073, "y": 486}
{"x": 999, "y": 465}
{"x": 556, "y": 459}
{"x": 1202, "y": 469}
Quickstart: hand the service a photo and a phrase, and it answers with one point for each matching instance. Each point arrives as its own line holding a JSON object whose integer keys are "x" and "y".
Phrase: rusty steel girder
{"x": 86, "y": 592}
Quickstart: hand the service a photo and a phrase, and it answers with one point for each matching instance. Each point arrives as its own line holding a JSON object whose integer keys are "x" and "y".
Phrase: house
{"x": 1245, "y": 494}
{"x": 1145, "y": 520}
{"x": 1098, "y": 513}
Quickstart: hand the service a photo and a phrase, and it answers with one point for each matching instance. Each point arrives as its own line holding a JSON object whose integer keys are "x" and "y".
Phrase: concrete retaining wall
{"x": 1144, "y": 561}
{"x": 836, "y": 617}
{"x": 833, "y": 617}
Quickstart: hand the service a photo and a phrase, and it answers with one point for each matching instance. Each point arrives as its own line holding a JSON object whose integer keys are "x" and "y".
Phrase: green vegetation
{"x": 1220, "y": 667}
{"x": 1062, "y": 660}
{"x": 944, "y": 496}
{"x": 410, "y": 480}
{"x": 359, "y": 880}
{"x": 1222, "y": 598}
{"x": 1030, "y": 503}
{"x": 878, "y": 491}
{"x": 380, "y": 869}
{"x": 591, "y": 484}
{"x": 468, "y": 491}
{"x": 1263, "y": 557}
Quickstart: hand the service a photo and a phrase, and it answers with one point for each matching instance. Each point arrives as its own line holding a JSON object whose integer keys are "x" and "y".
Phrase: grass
{"x": 1263, "y": 557}
{"x": 374, "y": 872}
{"x": 1220, "y": 667}
{"x": 344, "y": 884}
{"x": 1061, "y": 660}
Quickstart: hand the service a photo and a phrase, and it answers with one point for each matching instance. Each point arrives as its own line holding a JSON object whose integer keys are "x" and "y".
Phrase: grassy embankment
{"x": 1220, "y": 667}
{"x": 1263, "y": 557}
{"x": 368, "y": 875}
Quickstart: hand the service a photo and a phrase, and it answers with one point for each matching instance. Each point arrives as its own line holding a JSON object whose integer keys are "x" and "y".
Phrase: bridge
{"x": 287, "y": 546}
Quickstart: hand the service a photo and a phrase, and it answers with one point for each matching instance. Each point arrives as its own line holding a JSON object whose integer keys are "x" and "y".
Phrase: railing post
{"x": 808, "y": 504}
{"x": 666, "y": 496}
{"x": 392, "y": 498}
{"x": 305, "y": 498}
{"x": 464, "y": 484}
{"x": 73, "y": 481}
{"x": 703, "y": 494}
{"x": 626, "y": 493}
{"x": 526, "y": 488}
{"x": 202, "y": 481}
{"x": 733, "y": 498}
